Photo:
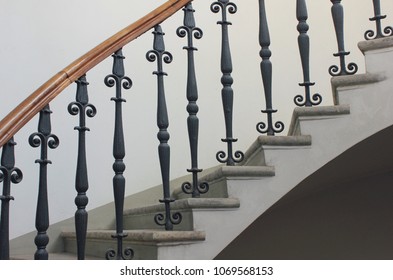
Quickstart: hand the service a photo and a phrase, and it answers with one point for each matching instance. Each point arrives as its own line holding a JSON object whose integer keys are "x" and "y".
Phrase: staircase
{"x": 273, "y": 167}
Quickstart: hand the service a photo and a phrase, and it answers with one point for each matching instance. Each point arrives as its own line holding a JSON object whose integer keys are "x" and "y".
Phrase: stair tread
{"x": 274, "y": 141}
{"x": 316, "y": 112}
{"x": 292, "y": 140}
{"x": 53, "y": 256}
{"x": 151, "y": 236}
{"x": 187, "y": 203}
{"x": 240, "y": 171}
{"x": 376, "y": 44}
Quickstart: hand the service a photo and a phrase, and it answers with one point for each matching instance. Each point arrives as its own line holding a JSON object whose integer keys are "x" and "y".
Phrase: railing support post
{"x": 266, "y": 72}
{"x": 45, "y": 139}
{"x": 191, "y": 31}
{"x": 118, "y": 79}
{"x": 230, "y": 158}
{"x": 8, "y": 174}
{"x": 338, "y": 20}
{"x": 160, "y": 55}
{"x": 379, "y": 33}
{"x": 82, "y": 107}
{"x": 304, "y": 49}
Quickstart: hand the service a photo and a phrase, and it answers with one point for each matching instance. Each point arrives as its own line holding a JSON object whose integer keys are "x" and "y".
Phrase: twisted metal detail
{"x": 379, "y": 33}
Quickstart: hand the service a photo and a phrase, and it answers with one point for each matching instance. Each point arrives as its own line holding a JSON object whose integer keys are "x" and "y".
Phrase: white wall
{"x": 39, "y": 38}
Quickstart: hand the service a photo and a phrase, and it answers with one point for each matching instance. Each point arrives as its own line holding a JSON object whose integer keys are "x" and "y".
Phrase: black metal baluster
{"x": 388, "y": 31}
{"x": 190, "y": 30}
{"x": 229, "y": 158}
{"x": 121, "y": 81}
{"x": 8, "y": 174}
{"x": 266, "y": 72}
{"x": 44, "y": 139}
{"x": 304, "y": 49}
{"x": 338, "y": 19}
{"x": 82, "y": 107}
{"x": 160, "y": 55}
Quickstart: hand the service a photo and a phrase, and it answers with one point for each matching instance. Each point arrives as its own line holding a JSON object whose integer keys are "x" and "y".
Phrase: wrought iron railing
{"x": 39, "y": 101}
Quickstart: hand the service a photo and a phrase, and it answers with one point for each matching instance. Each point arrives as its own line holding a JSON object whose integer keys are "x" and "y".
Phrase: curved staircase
{"x": 273, "y": 166}
{"x": 239, "y": 195}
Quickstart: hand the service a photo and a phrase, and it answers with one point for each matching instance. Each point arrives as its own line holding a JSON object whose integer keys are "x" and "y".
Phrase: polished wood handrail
{"x": 33, "y": 104}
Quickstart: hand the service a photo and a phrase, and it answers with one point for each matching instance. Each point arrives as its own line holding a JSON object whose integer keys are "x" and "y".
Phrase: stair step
{"x": 322, "y": 112}
{"x": 217, "y": 179}
{"x": 143, "y": 217}
{"x": 146, "y": 244}
{"x": 354, "y": 81}
{"x": 254, "y": 156}
{"x": 54, "y": 256}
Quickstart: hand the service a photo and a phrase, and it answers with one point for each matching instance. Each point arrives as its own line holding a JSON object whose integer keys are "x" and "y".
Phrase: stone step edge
{"x": 352, "y": 81}
{"x": 233, "y": 172}
{"x": 376, "y": 44}
{"x": 187, "y": 204}
{"x": 315, "y": 112}
{"x": 54, "y": 256}
{"x": 240, "y": 172}
{"x": 275, "y": 141}
{"x": 147, "y": 237}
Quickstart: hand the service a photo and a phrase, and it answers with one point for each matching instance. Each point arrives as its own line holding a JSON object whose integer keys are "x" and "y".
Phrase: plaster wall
{"x": 42, "y": 37}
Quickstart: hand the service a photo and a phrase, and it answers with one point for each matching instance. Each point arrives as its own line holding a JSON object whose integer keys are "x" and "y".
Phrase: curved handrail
{"x": 33, "y": 104}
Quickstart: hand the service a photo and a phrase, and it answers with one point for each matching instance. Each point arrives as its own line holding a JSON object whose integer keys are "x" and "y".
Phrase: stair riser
{"x": 146, "y": 221}
{"x": 98, "y": 248}
{"x": 217, "y": 189}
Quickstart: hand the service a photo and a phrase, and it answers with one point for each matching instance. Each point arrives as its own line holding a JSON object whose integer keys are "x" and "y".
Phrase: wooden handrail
{"x": 33, "y": 104}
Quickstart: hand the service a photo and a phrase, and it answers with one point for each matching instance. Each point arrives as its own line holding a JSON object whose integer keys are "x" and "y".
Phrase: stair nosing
{"x": 149, "y": 236}
{"x": 375, "y": 44}
{"x": 312, "y": 112}
{"x": 354, "y": 80}
{"x": 187, "y": 204}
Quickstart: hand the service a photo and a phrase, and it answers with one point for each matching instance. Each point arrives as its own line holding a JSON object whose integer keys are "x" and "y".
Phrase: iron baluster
{"x": 386, "y": 32}
{"x": 338, "y": 20}
{"x": 229, "y": 158}
{"x": 118, "y": 79}
{"x": 304, "y": 49}
{"x": 191, "y": 31}
{"x": 44, "y": 139}
{"x": 82, "y": 107}
{"x": 160, "y": 55}
{"x": 8, "y": 174}
{"x": 266, "y": 72}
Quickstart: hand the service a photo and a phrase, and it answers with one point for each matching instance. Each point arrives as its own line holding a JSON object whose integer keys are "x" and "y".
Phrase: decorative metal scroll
{"x": 230, "y": 158}
{"x": 266, "y": 71}
{"x": 118, "y": 79}
{"x": 304, "y": 49}
{"x": 44, "y": 139}
{"x": 160, "y": 55}
{"x": 338, "y": 19}
{"x": 9, "y": 174}
{"x": 191, "y": 31}
{"x": 82, "y": 107}
{"x": 379, "y": 32}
